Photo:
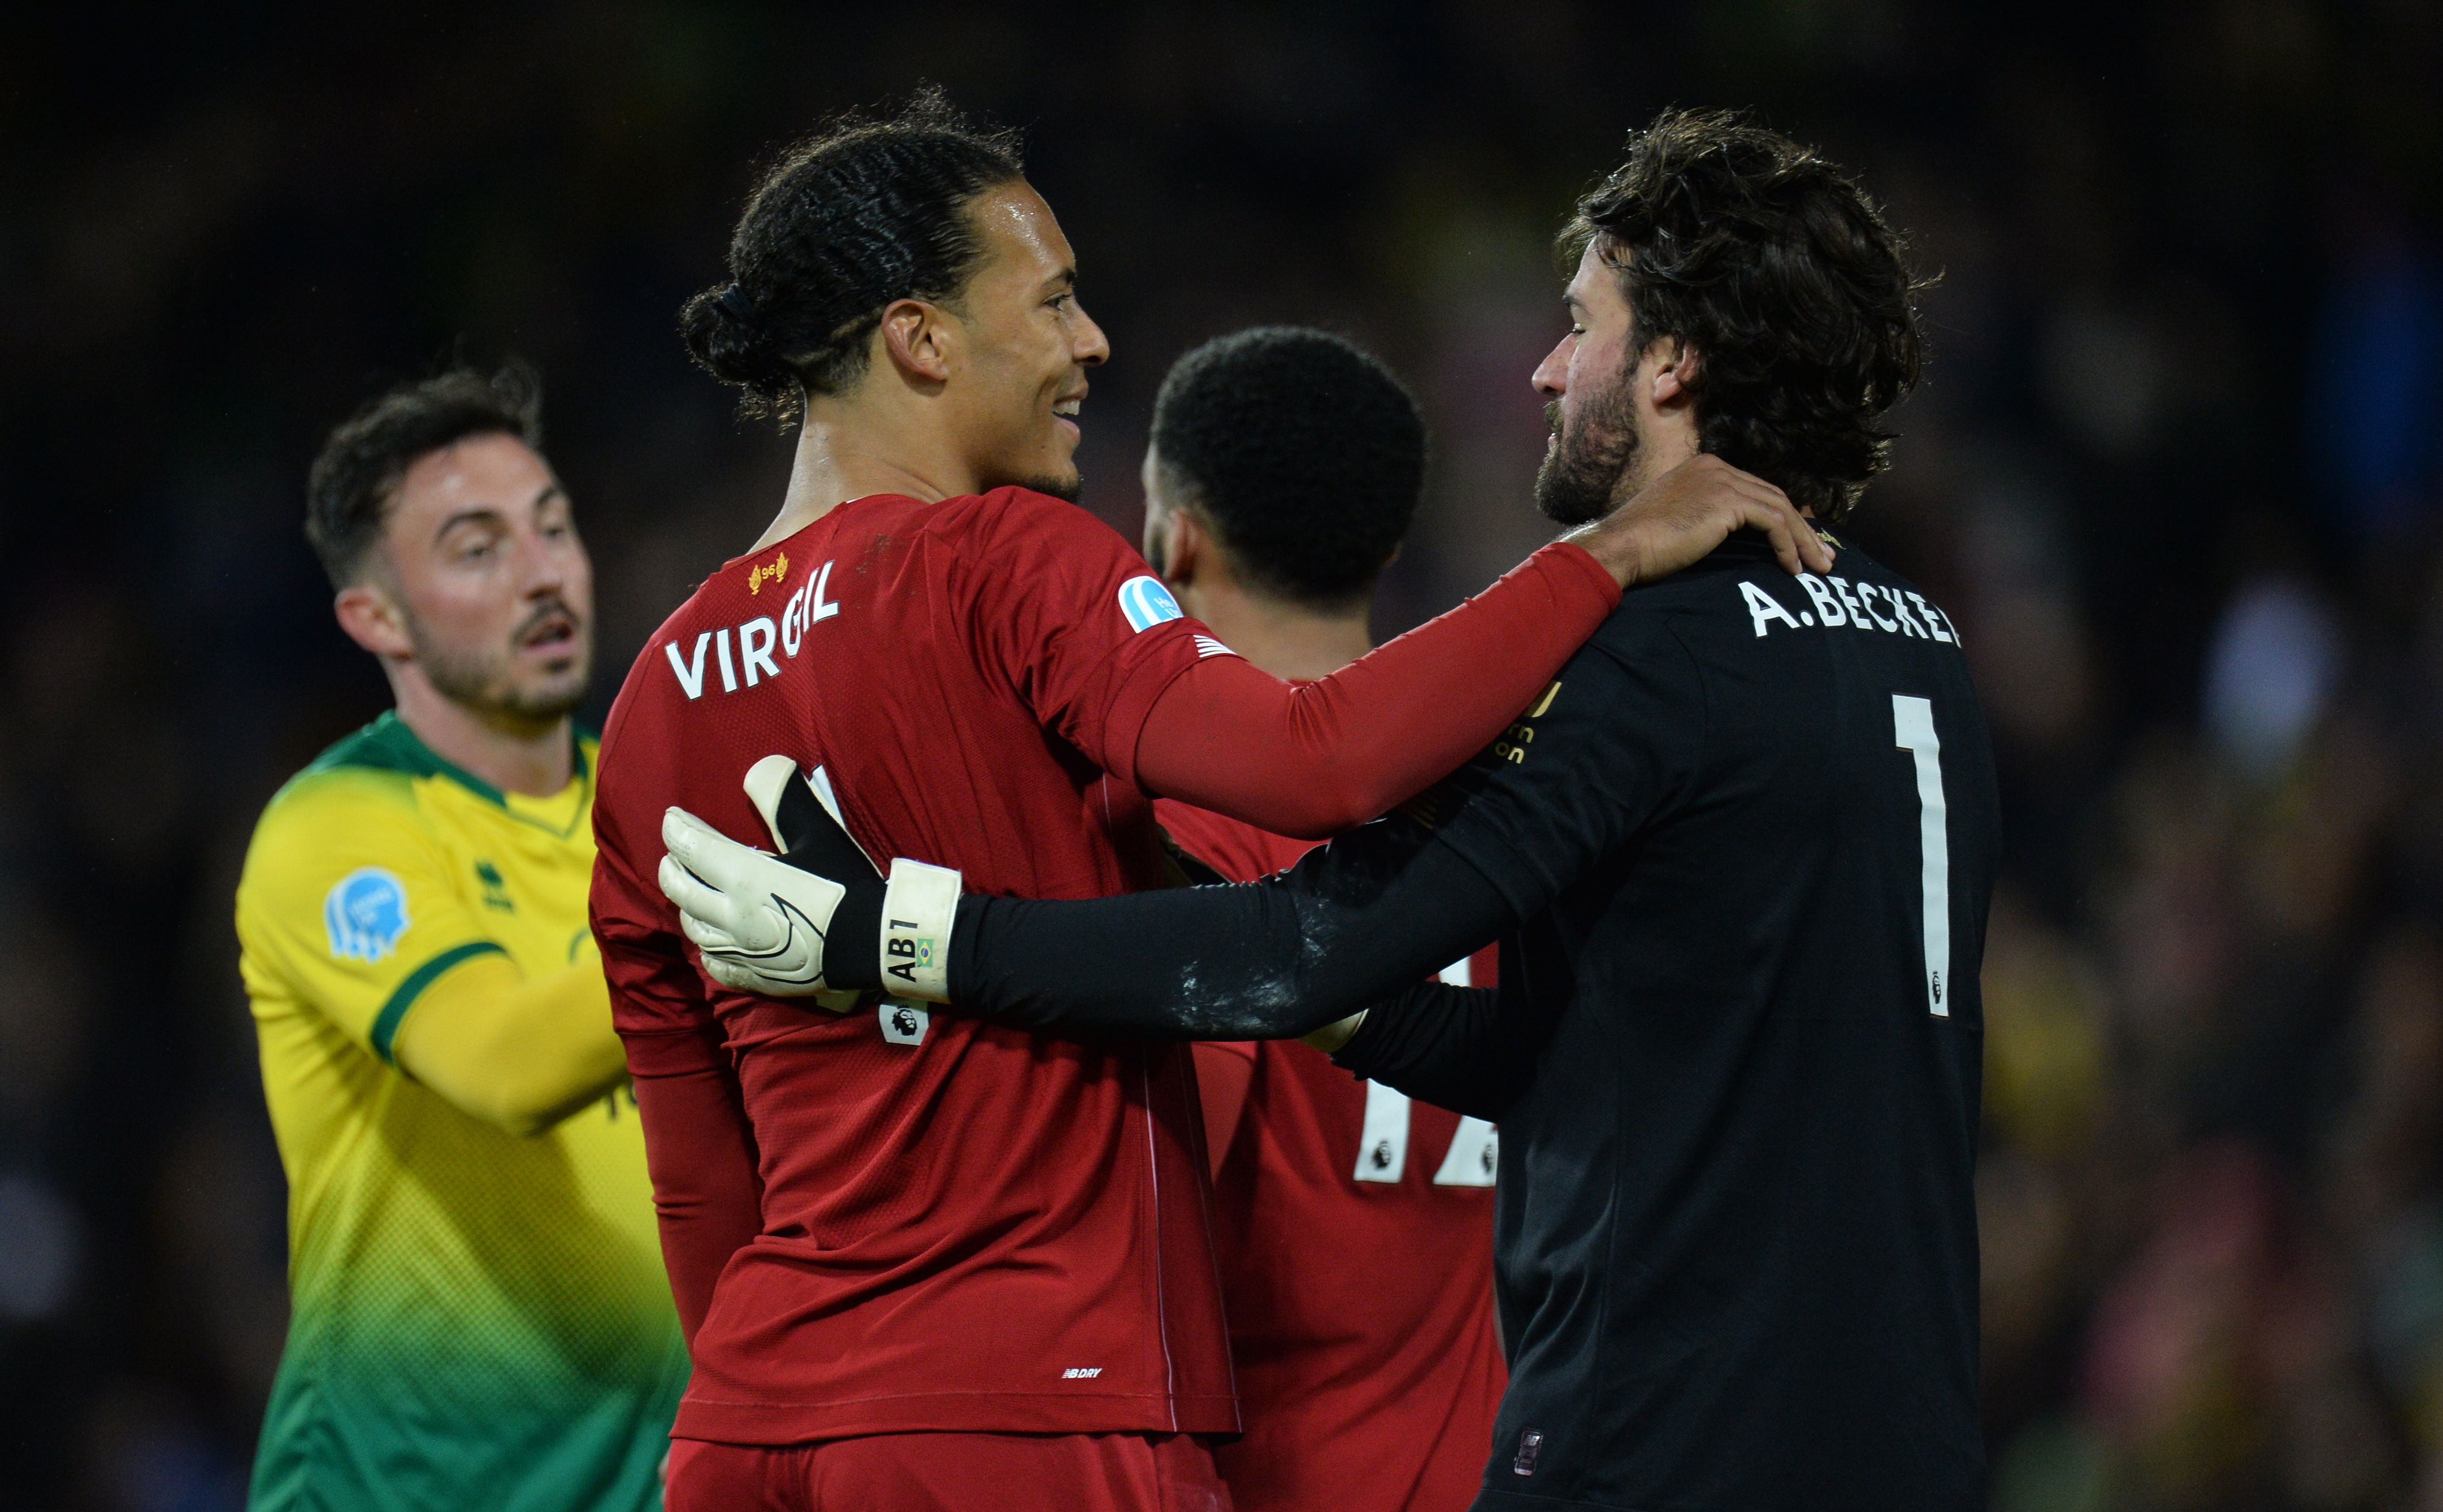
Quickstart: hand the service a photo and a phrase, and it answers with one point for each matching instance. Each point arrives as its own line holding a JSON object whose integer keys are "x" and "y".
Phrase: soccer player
{"x": 1284, "y": 470}
{"x": 479, "y": 1314}
{"x": 1738, "y": 856}
{"x": 946, "y": 1263}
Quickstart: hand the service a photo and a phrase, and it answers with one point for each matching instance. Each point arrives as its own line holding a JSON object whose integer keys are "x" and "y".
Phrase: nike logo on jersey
{"x": 1861, "y": 606}
{"x": 753, "y": 661}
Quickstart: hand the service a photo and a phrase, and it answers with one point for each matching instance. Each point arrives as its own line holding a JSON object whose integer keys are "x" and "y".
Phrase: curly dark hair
{"x": 1304, "y": 453}
{"x": 354, "y": 480}
{"x": 863, "y": 213}
{"x": 1781, "y": 273}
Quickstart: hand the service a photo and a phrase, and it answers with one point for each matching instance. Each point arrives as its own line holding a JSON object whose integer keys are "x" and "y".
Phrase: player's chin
{"x": 1061, "y": 485}
{"x": 551, "y": 691}
{"x": 1056, "y": 476}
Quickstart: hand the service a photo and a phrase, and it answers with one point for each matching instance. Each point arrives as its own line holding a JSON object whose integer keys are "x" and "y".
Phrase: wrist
{"x": 919, "y": 908}
{"x": 1612, "y": 549}
{"x": 853, "y": 949}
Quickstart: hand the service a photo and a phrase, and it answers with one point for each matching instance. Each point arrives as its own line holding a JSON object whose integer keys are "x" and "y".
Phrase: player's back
{"x": 965, "y": 1228}
{"x": 1736, "y": 1224}
{"x": 1365, "y": 1386}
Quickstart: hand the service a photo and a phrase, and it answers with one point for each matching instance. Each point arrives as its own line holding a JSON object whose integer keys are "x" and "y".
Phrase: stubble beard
{"x": 482, "y": 681}
{"x": 1584, "y": 463}
{"x": 1067, "y": 488}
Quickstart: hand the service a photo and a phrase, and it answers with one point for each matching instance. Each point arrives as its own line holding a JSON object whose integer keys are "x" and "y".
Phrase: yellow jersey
{"x": 477, "y": 1319}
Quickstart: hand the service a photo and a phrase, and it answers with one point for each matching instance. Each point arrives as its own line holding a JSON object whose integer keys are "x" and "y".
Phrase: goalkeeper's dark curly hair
{"x": 348, "y": 492}
{"x": 1782, "y": 275}
{"x": 1304, "y": 453}
{"x": 866, "y": 213}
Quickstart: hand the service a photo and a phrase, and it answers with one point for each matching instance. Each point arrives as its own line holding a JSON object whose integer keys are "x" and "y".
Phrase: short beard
{"x": 1068, "y": 488}
{"x": 1584, "y": 463}
{"x": 481, "y": 683}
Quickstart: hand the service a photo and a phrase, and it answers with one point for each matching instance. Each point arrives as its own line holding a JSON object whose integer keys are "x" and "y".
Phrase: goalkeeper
{"x": 479, "y": 1312}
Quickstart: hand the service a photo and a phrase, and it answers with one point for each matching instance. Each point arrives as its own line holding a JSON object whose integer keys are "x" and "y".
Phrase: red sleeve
{"x": 1314, "y": 758}
{"x": 699, "y": 1147}
{"x": 1069, "y": 613}
{"x": 700, "y": 1154}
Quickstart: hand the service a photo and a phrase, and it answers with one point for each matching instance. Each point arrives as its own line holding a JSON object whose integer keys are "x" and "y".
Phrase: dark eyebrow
{"x": 486, "y": 513}
{"x": 482, "y": 513}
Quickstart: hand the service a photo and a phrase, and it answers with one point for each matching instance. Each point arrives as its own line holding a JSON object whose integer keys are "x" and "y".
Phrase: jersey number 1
{"x": 1913, "y": 731}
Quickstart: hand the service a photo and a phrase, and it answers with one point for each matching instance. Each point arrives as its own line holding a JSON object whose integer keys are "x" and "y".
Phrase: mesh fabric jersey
{"x": 477, "y": 1319}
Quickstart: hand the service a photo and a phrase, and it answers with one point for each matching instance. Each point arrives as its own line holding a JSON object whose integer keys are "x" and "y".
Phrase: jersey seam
{"x": 386, "y": 1023}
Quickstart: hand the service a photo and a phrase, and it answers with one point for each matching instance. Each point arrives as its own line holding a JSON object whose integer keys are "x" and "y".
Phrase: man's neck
{"x": 849, "y": 448}
{"x": 535, "y": 759}
{"x": 1291, "y": 641}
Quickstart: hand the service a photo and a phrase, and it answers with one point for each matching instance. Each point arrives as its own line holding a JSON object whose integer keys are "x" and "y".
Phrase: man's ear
{"x": 372, "y": 620}
{"x": 920, "y": 338}
{"x": 1675, "y": 375}
{"x": 1187, "y": 549}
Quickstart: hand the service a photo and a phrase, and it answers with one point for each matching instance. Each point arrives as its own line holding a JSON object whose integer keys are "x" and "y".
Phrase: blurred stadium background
{"x": 2176, "y": 470}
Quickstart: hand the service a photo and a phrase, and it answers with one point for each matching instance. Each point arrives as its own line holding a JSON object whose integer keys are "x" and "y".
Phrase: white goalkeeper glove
{"x": 757, "y": 921}
{"x": 763, "y": 923}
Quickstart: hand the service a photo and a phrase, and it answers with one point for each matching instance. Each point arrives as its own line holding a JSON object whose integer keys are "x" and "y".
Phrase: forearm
{"x": 1314, "y": 760}
{"x": 518, "y": 1053}
{"x": 1353, "y": 924}
{"x": 700, "y": 1152}
{"x": 1439, "y": 1044}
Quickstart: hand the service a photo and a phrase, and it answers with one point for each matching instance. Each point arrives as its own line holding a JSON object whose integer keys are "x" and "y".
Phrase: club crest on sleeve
{"x": 1148, "y": 604}
{"x": 365, "y": 913}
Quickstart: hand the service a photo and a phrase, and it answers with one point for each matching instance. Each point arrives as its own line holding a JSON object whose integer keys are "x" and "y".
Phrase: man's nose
{"x": 543, "y": 573}
{"x": 1089, "y": 347}
{"x": 1552, "y": 376}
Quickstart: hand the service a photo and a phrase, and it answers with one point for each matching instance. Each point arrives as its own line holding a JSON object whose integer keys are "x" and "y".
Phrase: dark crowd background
{"x": 2174, "y": 470}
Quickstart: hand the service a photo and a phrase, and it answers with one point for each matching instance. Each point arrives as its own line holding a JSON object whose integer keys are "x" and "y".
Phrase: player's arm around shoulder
{"x": 349, "y": 908}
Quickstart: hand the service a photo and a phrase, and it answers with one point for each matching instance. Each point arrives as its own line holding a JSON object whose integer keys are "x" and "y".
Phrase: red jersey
{"x": 949, "y": 1225}
{"x": 1355, "y": 1229}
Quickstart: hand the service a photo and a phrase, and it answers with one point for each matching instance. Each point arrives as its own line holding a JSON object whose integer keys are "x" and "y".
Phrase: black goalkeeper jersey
{"x": 1739, "y": 857}
{"x": 1751, "y": 836}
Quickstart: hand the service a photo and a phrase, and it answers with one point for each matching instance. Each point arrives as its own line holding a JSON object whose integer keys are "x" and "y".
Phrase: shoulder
{"x": 371, "y": 774}
{"x": 1741, "y": 595}
{"x": 1022, "y": 517}
{"x": 360, "y": 793}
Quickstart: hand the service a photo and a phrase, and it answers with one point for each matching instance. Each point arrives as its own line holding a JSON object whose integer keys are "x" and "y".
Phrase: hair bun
{"x": 729, "y": 342}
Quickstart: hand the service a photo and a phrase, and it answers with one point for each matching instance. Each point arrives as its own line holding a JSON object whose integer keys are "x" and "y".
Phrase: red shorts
{"x": 949, "y": 1472}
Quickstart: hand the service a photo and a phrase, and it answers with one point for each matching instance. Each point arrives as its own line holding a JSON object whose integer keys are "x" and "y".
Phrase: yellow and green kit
{"x": 478, "y": 1319}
